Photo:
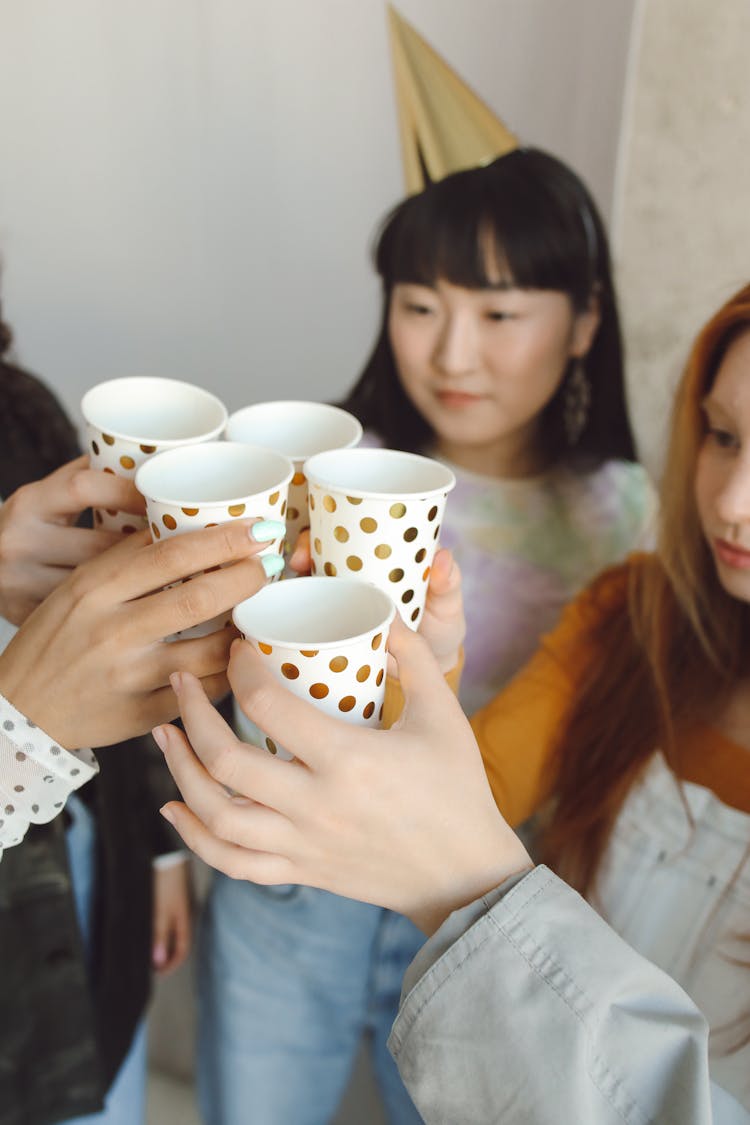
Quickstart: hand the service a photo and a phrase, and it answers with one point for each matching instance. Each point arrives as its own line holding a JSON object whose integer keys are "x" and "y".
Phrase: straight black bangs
{"x": 525, "y": 219}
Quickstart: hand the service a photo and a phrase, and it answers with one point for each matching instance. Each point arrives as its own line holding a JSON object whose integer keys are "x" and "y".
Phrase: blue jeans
{"x": 289, "y": 980}
{"x": 126, "y": 1098}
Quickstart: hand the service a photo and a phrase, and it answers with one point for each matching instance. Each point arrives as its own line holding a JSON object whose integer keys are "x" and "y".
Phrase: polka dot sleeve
{"x": 36, "y": 775}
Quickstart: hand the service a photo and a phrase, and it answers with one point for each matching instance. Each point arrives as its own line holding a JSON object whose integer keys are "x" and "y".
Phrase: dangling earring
{"x": 576, "y": 402}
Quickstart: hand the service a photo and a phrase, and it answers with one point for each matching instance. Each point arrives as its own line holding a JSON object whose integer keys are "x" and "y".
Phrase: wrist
{"x": 9, "y": 683}
{"x": 457, "y": 887}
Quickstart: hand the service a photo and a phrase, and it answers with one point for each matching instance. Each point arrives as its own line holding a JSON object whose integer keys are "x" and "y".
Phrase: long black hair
{"x": 31, "y": 419}
{"x": 546, "y": 233}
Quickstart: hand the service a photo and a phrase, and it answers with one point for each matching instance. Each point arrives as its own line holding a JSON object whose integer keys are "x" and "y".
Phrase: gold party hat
{"x": 445, "y": 126}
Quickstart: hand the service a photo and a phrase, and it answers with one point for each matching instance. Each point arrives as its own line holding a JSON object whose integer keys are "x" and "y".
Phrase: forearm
{"x": 533, "y": 1009}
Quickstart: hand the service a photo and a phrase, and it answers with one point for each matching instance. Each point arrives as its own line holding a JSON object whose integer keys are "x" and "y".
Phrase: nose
{"x": 733, "y": 498}
{"x": 456, "y": 349}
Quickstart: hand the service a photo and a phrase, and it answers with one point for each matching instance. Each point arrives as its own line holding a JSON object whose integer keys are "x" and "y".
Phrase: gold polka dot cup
{"x": 375, "y": 514}
{"x": 215, "y": 482}
{"x": 129, "y": 420}
{"x": 326, "y": 642}
{"x": 298, "y": 430}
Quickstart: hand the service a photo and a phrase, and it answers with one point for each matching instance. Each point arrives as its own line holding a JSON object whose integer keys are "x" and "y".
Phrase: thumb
{"x": 428, "y": 699}
{"x": 444, "y": 574}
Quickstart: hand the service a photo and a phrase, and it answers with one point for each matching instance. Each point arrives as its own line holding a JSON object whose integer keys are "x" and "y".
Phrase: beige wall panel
{"x": 683, "y": 210}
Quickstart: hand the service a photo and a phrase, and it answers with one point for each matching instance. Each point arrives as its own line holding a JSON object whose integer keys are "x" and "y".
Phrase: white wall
{"x": 189, "y": 187}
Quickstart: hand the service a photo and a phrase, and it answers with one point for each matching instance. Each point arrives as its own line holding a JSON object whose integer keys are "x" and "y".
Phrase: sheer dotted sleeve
{"x": 36, "y": 775}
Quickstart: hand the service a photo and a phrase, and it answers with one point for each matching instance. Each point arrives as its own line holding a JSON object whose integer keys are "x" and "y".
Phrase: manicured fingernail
{"x": 176, "y": 681}
{"x": 159, "y": 955}
{"x": 159, "y": 736}
{"x": 166, "y": 812}
{"x": 265, "y": 531}
{"x": 273, "y": 565}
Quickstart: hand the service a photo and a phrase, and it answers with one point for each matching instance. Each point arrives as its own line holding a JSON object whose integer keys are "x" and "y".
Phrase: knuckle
{"x": 213, "y": 819}
{"x": 78, "y": 491}
{"x": 78, "y": 586}
{"x": 227, "y": 540}
{"x": 171, "y": 556}
{"x": 223, "y": 766}
{"x": 196, "y": 602}
{"x": 258, "y": 704}
{"x": 11, "y": 543}
{"x": 20, "y": 502}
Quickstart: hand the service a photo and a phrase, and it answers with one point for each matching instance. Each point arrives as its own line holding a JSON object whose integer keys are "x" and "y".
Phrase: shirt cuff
{"x": 36, "y": 774}
{"x": 454, "y": 926}
{"x": 169, "y": 859}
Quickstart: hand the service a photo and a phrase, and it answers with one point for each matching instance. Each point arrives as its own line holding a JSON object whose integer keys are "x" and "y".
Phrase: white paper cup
{"x": 375, "y": 514}
{"x": 326, "y": 642}
{"x": 298, "y": 430}
{"x": 128, "y": 420}
{"x": 215, "y": 482}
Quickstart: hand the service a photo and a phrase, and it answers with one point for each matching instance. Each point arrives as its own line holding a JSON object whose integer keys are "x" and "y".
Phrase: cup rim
{"x": 327, "y": 407}
{"x": 179, "y": 502}
{"x": 271, "y": 591}
{"x": 316, "y": 475}
{"x": 149, "y": 439}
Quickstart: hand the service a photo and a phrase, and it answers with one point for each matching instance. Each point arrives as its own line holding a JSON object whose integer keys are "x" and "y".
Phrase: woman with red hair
{"x": 627, "y": 736}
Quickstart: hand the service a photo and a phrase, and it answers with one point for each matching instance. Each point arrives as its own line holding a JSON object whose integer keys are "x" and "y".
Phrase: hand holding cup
{"x": 39, "y": 540}
{"x": 402, "y": 818}
{"x": 89, "y": 665}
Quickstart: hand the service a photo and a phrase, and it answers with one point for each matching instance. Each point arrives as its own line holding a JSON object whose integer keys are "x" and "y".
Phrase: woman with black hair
{"x": 499, "y": 352}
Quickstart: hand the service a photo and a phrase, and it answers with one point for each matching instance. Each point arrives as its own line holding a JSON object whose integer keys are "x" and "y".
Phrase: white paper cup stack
{"x": 298, "y": 430}
{"x": 375, "y": 514}
{"x": 215, "y": 482}
{"x": 129, "y": 420}
{"x": 326, "y": 642}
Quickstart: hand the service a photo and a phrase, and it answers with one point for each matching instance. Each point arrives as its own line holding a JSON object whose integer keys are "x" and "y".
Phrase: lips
{"x": 457, "y": 400}
{"x": 732, "y": 555}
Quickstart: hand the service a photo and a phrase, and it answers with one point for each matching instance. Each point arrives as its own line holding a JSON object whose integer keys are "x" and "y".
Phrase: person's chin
{"x": 734, "y": 580}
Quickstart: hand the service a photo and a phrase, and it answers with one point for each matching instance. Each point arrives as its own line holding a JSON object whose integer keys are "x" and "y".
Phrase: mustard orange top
{"x": 518, "y": 730}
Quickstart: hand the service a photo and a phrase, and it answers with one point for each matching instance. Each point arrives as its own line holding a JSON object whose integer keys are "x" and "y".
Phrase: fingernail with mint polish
{"x": 265, "y": 531}
{"x": 273, "y": 565}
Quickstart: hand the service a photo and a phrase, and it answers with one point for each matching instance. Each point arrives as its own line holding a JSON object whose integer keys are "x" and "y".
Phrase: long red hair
{"x": 668, "y": 659}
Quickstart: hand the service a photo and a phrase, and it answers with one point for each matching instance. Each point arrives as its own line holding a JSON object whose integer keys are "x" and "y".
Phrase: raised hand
{"x": 172, "y": 920}
{"x": 402, "y": 818}
{"x": 90, "y": 665}
{"x": 39, "y": 542}
{"x": 443, "y": 624}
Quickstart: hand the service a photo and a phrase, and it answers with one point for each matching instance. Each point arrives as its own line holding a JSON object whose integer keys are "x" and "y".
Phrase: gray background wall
{"x": 189, "y": 187}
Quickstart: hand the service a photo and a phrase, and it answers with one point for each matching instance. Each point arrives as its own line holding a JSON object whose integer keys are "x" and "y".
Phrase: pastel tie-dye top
{"x": 527, "y": 547}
